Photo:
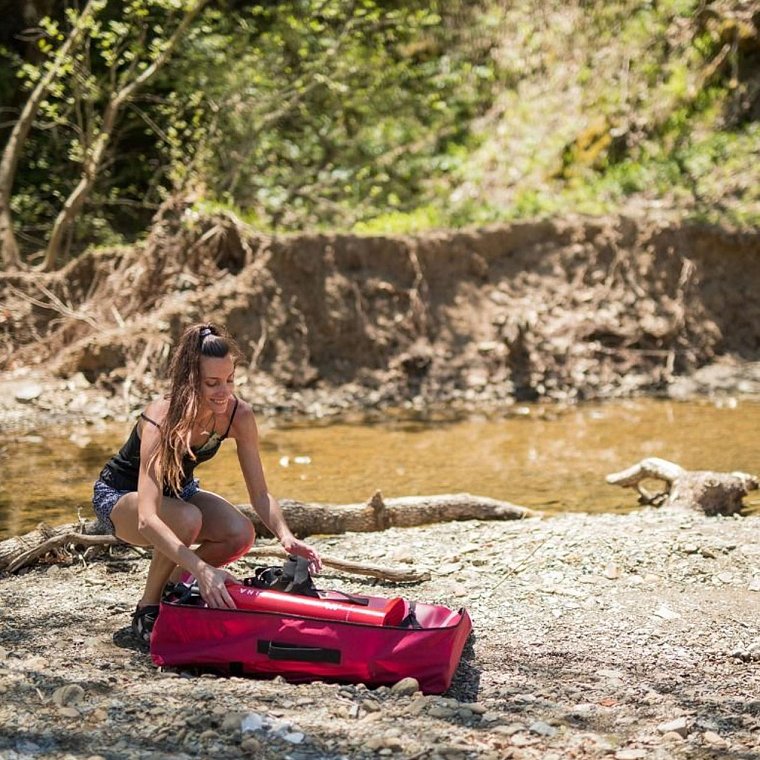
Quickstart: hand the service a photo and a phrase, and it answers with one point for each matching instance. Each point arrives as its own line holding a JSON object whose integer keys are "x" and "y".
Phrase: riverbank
{"x": 562, "y": 311}
{"x": 624, "y": 636}
{"x": 34, "y": 399}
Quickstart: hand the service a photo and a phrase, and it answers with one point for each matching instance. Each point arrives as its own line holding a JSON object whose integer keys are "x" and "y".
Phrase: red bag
{"x": 427, "y": 644}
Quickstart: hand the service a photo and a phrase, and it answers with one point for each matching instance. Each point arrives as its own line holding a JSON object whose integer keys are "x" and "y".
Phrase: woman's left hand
{"x": 292, "y": 545}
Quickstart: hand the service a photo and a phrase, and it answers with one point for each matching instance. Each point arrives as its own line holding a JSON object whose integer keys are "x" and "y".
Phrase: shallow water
{"x": 539, "y": 456}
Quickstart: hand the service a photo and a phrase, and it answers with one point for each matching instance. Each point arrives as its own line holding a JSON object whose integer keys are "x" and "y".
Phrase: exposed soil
{"x": 627, "y": 637}
{"x": 567, "y": 310}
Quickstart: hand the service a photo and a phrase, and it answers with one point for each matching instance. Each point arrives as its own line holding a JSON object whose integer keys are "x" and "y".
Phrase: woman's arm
{"x": 162, "y": 538}
{"x": 246, "y": 435}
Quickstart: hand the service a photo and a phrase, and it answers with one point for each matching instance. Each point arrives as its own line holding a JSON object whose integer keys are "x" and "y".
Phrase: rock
{"x": 251, "y": 722}
{"x": 630, "y": 754}
{"x": 664, "y": 612}
{"x": 542, "y": 729}
{"x": 70, "y": 694}
{"x": 715, "y": 739}
{"x": 611, "y": 571}
{"x": 69, "y": 712}
{"x": 251, "y": 746}
{"x": 405, "y": 687}
{"x": 28, "y": 392}
{"x": 612, "y": 674}
{"x": 754, "y": 584}
{"x": 437, "y": 711}
{"x": 679, "y": 726}
{"x": 234, "y": 722}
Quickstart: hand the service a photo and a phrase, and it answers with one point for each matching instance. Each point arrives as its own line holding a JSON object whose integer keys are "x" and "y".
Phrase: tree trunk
{"x": 309, "y": 519}
{"x": 714, "y": 493}
{"x": 81, "y": 192}
{"x": 20, "y": 131}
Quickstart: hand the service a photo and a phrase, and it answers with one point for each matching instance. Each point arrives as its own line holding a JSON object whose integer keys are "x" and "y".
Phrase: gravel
{"x": 622, "y": 636}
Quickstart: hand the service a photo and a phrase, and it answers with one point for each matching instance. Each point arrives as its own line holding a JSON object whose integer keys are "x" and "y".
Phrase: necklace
{"x": 212, "y": 420}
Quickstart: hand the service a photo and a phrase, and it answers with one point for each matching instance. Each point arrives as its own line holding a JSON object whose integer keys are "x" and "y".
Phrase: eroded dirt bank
{"x": 630, "y": 637}
{"x": 565, "y": 310}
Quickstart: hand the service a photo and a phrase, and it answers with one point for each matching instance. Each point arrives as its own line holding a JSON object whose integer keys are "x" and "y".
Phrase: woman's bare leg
{"x": 226, "y": 533}
{"x": 184, "y": 519}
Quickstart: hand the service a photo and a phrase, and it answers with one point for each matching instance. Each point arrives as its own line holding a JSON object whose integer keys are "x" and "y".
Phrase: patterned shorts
{"x": 104, "y": 499}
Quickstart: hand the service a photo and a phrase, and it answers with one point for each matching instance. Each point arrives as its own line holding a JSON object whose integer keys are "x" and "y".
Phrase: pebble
{"x": 251, "y": 746}
{"x": 441, "y": 712}
{"x": 69, "y": 712}
{"x": 70, "y": 694}
{"x": 678, "y": 726}
{"x": 251, "y": 722}
{"x": 405, "y": 687}
{"x": 664, "y": 612}
{"x": 28, "y": 392}
{"x": 542, "y": 729}
{"x": 715, "y": 739}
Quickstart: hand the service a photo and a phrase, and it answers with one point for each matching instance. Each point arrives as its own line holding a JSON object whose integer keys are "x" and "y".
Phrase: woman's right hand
{"x": 212, "y": 584}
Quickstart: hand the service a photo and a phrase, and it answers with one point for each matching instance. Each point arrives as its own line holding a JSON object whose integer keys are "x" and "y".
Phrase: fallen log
{"x": 714, "y": 493}
{"x": 304, "y": 520}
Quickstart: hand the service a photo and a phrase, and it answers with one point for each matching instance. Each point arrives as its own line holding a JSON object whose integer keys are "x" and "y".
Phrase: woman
{"x": 146, "y": 494}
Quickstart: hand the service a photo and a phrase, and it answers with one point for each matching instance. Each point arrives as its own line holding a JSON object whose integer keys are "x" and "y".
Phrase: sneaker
{"x": 143, "y": 620}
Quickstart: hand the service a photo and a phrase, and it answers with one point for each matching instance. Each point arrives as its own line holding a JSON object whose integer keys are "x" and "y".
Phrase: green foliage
{"x": 394, "y": 115}
{"x": 334, "y": 118}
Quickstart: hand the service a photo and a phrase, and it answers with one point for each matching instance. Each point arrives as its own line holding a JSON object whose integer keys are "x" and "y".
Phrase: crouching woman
{"x": 147, "y": 494}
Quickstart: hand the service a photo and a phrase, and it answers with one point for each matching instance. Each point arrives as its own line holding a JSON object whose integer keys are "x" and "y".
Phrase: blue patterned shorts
{"x": 104, "y": 499}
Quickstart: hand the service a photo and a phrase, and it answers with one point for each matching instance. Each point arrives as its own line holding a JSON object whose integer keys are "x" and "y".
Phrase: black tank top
{"x": 123, "y": 469}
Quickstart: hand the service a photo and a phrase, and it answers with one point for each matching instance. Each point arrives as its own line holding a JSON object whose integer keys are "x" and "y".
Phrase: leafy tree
{"x": 84, "y": 85}
{"x": 335, "y": 111}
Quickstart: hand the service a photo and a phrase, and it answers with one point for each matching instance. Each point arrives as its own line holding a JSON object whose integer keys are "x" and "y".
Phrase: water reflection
{"x": 543, "y": 457}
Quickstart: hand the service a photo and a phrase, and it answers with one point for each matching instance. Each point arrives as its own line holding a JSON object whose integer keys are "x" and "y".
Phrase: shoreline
{"x": 31, "y": 398}
{"x": 625, "y": 636}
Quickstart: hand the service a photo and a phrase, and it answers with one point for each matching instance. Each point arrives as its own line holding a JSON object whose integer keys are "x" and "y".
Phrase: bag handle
{"x": 276, "y": 650}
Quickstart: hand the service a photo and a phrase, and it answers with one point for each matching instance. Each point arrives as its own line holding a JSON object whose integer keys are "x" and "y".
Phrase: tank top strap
{"x": 232, "y": 417}
{"x": 148, "y": 419}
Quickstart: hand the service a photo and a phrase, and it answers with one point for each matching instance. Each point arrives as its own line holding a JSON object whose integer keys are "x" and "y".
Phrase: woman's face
{"x": 217, "y": 382}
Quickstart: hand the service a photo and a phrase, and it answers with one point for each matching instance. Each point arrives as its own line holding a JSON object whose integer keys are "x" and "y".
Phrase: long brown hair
{"x": 198, "y": 340}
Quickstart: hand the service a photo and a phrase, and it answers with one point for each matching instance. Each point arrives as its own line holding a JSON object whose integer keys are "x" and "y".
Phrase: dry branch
{"x": 303, "y": 519}
{"x": 714, "y": 493}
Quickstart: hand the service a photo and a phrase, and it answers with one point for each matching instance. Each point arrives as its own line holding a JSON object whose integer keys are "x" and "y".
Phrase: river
{"x": 546, "y": 457}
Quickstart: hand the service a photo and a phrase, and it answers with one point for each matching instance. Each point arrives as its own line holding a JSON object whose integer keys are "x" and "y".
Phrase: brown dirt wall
{"x": 568, "y": 309}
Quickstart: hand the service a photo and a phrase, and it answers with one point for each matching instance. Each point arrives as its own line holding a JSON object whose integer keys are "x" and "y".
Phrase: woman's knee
{"x": 243, "y": 535}
{"x": 188, "y": 524}
{"x": 239, "y": 538}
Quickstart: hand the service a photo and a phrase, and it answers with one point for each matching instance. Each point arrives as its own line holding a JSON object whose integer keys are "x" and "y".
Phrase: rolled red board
{"x": 264, "y": 600}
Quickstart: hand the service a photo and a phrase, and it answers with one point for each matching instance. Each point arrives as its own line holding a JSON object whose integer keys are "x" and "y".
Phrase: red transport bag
{"x": 306, "y": 645}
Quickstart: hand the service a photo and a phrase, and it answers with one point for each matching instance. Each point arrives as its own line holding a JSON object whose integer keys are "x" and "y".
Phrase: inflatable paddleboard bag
{"x": 313, "y": 635}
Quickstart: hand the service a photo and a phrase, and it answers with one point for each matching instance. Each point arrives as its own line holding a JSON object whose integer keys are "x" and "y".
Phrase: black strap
{"x": 410, "y": 621}
{"x": 296, "y": 577}
{"x": 232, "y": 417}
{"x": 277, "y": 650}
{"x": 148, "y": 419}
{"x": 362, "y": 601}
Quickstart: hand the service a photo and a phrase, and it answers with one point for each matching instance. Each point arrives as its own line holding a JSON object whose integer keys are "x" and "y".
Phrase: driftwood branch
{"x": 303, "y": 519}
{"x": 357, "y": 568}
{"x": 714, "y": 493}
{"x": 380, "y": 514}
